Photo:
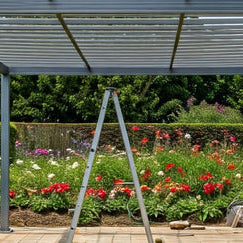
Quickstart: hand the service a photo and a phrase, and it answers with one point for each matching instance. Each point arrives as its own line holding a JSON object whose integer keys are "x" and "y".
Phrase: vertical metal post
{"x": 5, "y": 153}
{"x": 88, "y": 168}
{"x": 132, "y": 168}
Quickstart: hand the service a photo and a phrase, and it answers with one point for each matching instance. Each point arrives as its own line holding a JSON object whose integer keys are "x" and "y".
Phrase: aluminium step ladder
{"x": 110, "y": 92}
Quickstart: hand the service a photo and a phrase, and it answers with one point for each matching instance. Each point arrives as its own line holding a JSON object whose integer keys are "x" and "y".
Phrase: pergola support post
{"x": 5, "y": 131}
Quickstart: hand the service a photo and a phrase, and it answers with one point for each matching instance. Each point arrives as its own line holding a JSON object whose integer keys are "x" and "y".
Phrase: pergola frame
{"x": 109, "y": 37}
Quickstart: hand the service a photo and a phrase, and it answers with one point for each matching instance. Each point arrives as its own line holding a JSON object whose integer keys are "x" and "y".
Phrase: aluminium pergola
{"x": 108, "y": 37}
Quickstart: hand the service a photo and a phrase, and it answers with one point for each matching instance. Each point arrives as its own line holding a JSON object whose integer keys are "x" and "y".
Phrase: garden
{"x": 184, "y": 173}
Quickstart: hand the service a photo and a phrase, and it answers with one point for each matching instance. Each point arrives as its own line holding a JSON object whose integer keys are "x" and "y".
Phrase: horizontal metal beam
{"x": 120, "y": 6}
{"x": 4, "y": 69}
{"x": 153, "y": 70}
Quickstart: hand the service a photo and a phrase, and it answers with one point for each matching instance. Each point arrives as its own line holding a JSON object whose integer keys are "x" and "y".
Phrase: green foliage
{"x": 208, "y": 211}
{"x": 115, "y": 205}
{"x": 13, "y": 137}
{"x": 142, "y": 98}
{"x": 90, "y": 212}
{"x": 205, "y": 113}
{"x": 182, "y": 208}
{"x": 172, "y": 179}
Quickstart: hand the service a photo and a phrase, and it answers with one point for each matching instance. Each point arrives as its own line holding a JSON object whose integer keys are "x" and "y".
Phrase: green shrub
{"x": 205, "y": 113}
{"x": 13, "y": 137}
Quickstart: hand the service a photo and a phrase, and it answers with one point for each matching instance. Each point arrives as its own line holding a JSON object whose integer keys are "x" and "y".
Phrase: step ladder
{"x": 110, "y": 92}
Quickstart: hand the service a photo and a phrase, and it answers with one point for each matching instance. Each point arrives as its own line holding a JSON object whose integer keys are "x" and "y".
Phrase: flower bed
{"x": 177, "y": 179}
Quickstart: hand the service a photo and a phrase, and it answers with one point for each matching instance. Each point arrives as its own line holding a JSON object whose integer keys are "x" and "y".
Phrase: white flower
{"x": 36, "y": 167}
{"x": 187, "y": 136}
{"x": 29, "y": 172}
{"x": 142, "y": 172}
{"x": 67, "y": 158}
{"x": 75, "y": 165}
{"x": 54, "y": 163}
{"x": 160, "y": 173}
{"x": 19, "y": 162}
{"x": 198, "y": 197}
{"x": 68, "y": 149}
{"x": 50, "y": 176}
{"x": 238, "y": 175}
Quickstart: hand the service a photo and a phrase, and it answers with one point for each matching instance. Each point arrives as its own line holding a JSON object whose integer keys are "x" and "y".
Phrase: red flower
{"x": 98, "y": 178}
{"x": 168, "y": 166}
{"x": 206, "y": 177}
{"x": 90, "y": 192}
{"x": 56, "y": 187}
{"x": 208, "y": 174}
{"x": 180, "y": 170}
{"x": 144, "y": 188}
{"x": 227, "y": 181}
{"x": 128, "y": 191}
{"x": 101, "y": 193}
{"x": 12, "y": 194}
{"x": 185, "y": 187}
{"x": 225, "y": 131}
{"x": 233, "y": 139}
{"x": 146, "y": 174}
{"x": 135, "y": 128}
{"x": 209, "y": 188}
{"x": 134, "y": 150}
{"x": 173, "y": 189}
{"x": 93, "y": 132}
{"x": 44, "y": 190}
{"x": 230, "y": 167}
{"x": 117, "y": 181}
{"x": 167, "y": 179}
{"x": 220, "y": 186}
{"x": 144, "y": 140}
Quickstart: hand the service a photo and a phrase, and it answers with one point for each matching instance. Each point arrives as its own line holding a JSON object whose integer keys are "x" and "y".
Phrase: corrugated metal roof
{"x": 121, "y": 37}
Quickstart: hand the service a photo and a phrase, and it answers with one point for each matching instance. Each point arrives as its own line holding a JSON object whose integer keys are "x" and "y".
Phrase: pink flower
{"x": 220, "y": 186}
{"x": 98, "y": 178}
{"x": 101, "y": 193}
{"x": 233, "y": 139}
{"x": 166, "y": 136}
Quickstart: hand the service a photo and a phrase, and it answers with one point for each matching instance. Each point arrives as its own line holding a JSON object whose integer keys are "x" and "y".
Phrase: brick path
{"x": 123, "y": 235}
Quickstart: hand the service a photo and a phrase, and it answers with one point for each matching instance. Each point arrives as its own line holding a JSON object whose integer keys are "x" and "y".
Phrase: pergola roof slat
{"x": 121, "y": 33}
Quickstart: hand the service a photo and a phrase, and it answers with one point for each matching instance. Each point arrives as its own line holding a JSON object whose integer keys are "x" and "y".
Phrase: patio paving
{"x": 123, "y": 235}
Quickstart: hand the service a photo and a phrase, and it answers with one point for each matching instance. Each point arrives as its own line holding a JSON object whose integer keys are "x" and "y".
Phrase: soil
{"x": 26, "y": 217}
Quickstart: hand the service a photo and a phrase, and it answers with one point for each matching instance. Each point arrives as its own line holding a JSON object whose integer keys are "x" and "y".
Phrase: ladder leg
{"x": 88, "y": 167}
{"x": 132, "y": 168}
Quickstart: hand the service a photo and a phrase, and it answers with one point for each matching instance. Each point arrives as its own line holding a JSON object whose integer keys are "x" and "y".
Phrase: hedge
{"x": 60, "y": 136}
{"x": 13, "y": 137}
